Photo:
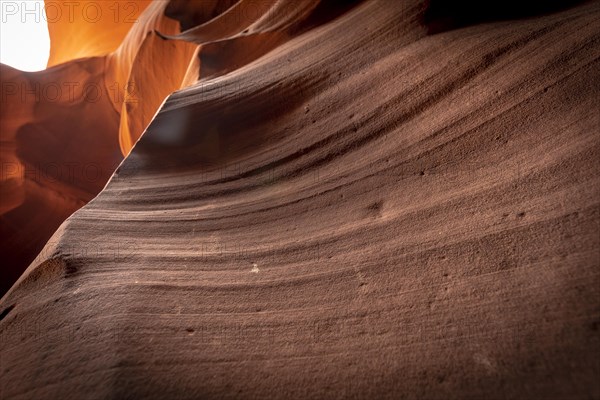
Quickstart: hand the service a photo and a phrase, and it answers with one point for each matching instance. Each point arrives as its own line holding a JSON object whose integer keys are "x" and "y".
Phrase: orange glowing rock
{"x": 89, "y": 28}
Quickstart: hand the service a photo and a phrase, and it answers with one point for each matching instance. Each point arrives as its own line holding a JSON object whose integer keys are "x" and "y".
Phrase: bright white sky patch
{"x": 24, "y": 38}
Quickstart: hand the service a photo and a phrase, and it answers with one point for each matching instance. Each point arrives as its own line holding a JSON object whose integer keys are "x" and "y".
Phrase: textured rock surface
{"x": 342, "y": 206}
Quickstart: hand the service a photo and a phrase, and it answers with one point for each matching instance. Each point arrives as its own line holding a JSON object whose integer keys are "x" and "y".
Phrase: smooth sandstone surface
{"x": 333, "y": 202}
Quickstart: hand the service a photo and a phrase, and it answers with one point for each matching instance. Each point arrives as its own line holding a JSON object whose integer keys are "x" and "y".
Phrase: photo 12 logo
{"x": 68, "y": 92}
{"x": 69, "y": 11}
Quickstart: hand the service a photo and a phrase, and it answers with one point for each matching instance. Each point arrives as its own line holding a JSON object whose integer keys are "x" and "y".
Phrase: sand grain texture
{"x": 350, "y": 207}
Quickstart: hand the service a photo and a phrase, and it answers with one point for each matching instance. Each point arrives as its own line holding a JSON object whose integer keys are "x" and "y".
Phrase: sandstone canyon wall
{"x": 360, "y": 199}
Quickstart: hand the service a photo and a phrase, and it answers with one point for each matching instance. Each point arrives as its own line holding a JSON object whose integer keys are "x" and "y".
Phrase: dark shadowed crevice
{"x": 443, "y": 15}
{"x": 197, "y": 12}
{"x": 6, "y": 311}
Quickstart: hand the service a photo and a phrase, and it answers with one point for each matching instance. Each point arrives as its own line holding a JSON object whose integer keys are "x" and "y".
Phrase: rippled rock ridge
{"x": 305, "y": 199}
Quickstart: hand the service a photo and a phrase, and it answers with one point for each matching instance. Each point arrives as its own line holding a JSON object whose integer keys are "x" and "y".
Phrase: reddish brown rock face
{"x": 331, "y": 202}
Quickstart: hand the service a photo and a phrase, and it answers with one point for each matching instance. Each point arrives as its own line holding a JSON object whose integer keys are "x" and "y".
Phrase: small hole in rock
{"x": 376, "y": 206}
